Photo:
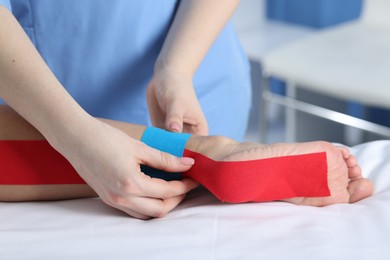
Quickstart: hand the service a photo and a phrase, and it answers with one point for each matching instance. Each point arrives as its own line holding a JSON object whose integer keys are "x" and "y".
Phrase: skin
{"x": 171, "y": 97}
{"x": 103, "y": 155}
{"x": 344, "y": 174}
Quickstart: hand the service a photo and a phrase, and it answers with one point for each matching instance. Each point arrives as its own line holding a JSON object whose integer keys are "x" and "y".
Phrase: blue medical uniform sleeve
{"x": 7, "y": 4}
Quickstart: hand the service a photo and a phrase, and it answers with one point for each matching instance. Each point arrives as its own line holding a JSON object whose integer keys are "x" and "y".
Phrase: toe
{"x": 345, "y": 152}
{"x": 360, "y": 189}
{"x": 355, "y": 173}
{"x": 351, "y": 161}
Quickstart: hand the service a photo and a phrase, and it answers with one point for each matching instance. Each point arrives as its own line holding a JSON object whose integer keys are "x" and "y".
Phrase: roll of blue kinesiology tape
{"x": 170, "y": 142}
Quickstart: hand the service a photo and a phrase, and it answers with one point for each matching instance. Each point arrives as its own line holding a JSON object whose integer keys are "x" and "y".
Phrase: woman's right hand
{"x": 109, "y": 161}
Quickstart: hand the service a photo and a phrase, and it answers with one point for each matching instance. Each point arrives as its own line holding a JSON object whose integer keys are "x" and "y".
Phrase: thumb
{"x": 165, "y": 161}
{"x": 174, "y": 118}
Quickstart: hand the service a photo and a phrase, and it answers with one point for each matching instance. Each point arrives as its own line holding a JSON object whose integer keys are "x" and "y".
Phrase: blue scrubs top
{"x": 103, "y": 52}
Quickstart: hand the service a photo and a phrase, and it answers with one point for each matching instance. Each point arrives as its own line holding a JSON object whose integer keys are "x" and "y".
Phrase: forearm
{"x": 29, "y": 87}
{"x": 195, "y": 27}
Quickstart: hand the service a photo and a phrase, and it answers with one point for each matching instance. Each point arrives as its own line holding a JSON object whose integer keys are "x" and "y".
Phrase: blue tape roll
{"x": 173, "y": 143}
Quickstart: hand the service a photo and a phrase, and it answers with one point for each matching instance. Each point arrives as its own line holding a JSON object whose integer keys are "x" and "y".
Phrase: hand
{"x": 173, "y": 104}
{"x": 109, "y": 161}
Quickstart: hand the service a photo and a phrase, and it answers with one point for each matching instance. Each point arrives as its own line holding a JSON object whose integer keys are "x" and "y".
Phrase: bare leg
{"x": 344, "y": 174}
{"x": 14, "y": 127}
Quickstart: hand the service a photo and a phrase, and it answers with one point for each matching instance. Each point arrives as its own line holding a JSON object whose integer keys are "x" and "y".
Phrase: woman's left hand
{"x": 173, "y": 104}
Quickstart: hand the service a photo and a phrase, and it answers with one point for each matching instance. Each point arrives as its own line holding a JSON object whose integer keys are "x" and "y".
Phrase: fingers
{"x": 144, "y": 197}
{"x": 164, "y": 161}
{"x": 179, "y": 124}
{"x": 196, "y": 128}
{"x": 147, "y": 203}
{"x": 157, "y": 116}
{"x": 158, "y": 188}
{"x": 178, "y": 120}
{"x": 146, "y": 208}
{"x": 174, "y": 118}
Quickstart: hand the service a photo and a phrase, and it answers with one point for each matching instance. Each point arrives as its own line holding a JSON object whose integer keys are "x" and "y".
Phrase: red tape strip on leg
{"x": 34, "y": 163}
{"x": 262, "y": 180}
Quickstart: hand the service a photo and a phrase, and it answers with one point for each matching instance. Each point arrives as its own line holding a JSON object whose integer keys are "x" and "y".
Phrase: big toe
{"x": 360, "y": 189}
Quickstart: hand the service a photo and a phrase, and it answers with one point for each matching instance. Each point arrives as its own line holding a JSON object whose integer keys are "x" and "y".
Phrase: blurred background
{"x": 267, "y": 30}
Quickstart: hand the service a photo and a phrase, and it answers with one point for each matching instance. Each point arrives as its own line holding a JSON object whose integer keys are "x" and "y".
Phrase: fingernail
{"x": 174, "y": 127}
{"x": 187, "y": 161}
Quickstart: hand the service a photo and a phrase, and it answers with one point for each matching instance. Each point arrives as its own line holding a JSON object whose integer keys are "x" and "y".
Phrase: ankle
{"x": 210, "y": 146}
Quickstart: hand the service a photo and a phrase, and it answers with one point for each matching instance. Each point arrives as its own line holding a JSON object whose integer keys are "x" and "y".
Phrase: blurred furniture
{"x": 314, "y": 13}
{"x": 258, "y": 36}
{"x": 350, "y": 61}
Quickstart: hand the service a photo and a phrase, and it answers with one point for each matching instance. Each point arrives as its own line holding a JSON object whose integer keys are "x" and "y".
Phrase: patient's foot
{"x": 345, "y": 179}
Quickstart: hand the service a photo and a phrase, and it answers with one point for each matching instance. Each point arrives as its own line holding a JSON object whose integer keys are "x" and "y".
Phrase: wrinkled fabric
{"x": 202, "y": 227}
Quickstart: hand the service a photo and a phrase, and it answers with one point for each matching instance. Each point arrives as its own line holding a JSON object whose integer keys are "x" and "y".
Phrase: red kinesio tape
{"x": 262, "y": 180}
{"x": 34, "y": 163}
{"x": 37, "y": 163}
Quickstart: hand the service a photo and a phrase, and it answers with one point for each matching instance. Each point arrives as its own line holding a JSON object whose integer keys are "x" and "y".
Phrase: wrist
{"x": 167, "y": 67}
{"x": 68, "y": 133}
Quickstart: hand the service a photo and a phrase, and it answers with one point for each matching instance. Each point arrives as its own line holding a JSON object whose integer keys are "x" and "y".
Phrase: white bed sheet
{"x": 203, "y": 228}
